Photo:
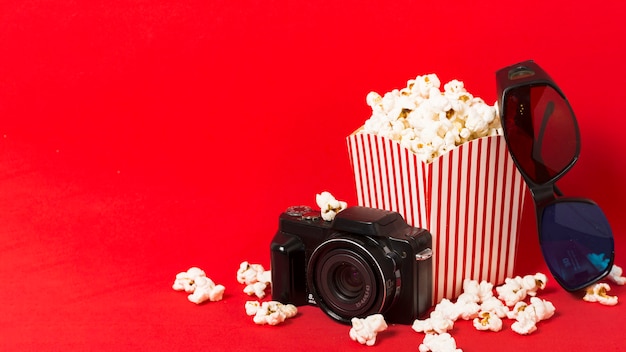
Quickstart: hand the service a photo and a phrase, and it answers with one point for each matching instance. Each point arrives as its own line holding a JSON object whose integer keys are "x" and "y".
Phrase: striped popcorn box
{"x": 470, "y": 199}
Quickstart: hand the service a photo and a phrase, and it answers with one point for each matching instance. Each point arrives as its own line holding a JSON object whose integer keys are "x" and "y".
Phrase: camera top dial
{"x": 304, "y": 212}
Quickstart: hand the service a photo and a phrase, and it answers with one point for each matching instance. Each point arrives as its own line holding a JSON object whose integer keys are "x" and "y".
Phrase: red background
{"x": 140, "y": 138}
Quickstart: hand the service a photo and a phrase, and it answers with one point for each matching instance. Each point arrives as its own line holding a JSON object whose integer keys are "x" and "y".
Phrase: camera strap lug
{"x": 424, "y": 255}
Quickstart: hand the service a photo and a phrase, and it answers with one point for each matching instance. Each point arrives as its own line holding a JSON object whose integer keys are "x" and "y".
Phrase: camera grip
{"x": 288, "y": 265}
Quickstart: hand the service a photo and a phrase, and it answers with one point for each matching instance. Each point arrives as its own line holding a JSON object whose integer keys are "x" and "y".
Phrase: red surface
{"x": 141, "y": 138}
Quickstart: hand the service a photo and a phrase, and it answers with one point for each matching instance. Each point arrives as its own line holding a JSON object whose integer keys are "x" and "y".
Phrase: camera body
{"x": 366, "y": 261}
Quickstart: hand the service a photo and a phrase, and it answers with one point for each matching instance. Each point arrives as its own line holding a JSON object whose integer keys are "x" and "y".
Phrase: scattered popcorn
{"x": 252, "y": 307}
{"x": 200, "y": 287}
{"x": 495, "y": 306}
{"x": 512, "y": 291}
{"x": 446, "y": 307}
{"x": 271, "y": 313}
{"x": 543, "y": 309}
{"x": 467, "y": 310}
{"x": 475, "y": 292}
{"x": 519, "y": 307}
{"x": 616, "y": 275}
{"x": 448, "y": 310}
{"x": 599, "y": 293}
{"x": 290, "y": 310}
{"x": 488, "y": 321}
{"x": 516, "y": 289}
{"x": 478, "y": 303}
{"x": 364, "y": 331}
{"x": 329, "y": 205}
{"x": 528, "y": 315}
{"x": 206, "y": 289}
{"x": 185, "y": 281}
{"x": 534, "y": 283}
{"x": 436, "y": 323}
{"x": 439, "y": 343}
{"x": 526, "y": 322}
{"x": 265, "y": 276}
{"x": 255, "y": 277}
{"x": 430, "y": 122}
{"x": 257, "y": 288}
{"x": 249, "y": 273}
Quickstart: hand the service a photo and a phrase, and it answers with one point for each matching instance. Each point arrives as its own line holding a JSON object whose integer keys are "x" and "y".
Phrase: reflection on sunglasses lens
{"x": 577, "y": 243}
{"x": 541, "y": 131}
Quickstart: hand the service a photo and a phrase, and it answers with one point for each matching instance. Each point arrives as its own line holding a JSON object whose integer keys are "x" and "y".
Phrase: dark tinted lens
{"x": 541, "y": 131}
{"x": 577, "y": 243}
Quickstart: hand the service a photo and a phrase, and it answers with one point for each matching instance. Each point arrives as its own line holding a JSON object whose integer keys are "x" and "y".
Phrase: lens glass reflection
{"x": 577, "y": 242}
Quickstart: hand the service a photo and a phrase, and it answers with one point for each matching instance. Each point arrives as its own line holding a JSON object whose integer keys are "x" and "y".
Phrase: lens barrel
{"x": 351, "y": 276}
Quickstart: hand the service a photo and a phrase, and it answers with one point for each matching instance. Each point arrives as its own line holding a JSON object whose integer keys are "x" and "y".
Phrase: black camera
{"x": 365, "y": 261}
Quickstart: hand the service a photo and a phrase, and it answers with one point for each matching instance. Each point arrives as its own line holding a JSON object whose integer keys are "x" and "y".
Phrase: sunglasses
{"x": 543, "y": 139}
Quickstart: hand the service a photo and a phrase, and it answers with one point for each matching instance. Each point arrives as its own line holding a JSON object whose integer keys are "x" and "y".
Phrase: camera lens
{"x": 349, "y": 281}
{"x": 352, "y": 277}
{"x": 344, "y": 279}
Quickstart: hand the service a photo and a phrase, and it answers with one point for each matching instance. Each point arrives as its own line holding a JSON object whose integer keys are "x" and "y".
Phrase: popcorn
{"x": 516, "y": 289}
{"x": 495, "y": 306}
{"x": 533, "y": 283}
{"x": 526, "y": 322}
{"x": 271, "y": 313}
{"x": 439, "y": 343}
{"x": 364, "y": 331}
{"x": 448, "y": 310}
{"x": 543, "y": 309}
{"x": 200, "y": 287}
{"x": 436, "y": 323}
{"x": 185, "y": 281}
{"x": 517, "y": 309}
{"x": 476, "y": 292}
{"x": 467, "y": 310}
{"x": 255, "y": 277}
{"x": 269, "y": 317}
{"x": 528, "y": 315}
{"x": 206, "y": 289}
{"x": 478, "y": 303}
{"x": 488, "y": 321}
{"x": 329, "y": 205}
{"x": 616, "y": 275}
{"x": 257, "y": 288}
{"x": 252, "y": 307}
{"x": 479, "y": 117}
{"x": 430, "y": 122}
{"x": 512, "y": 291}
{"x": 290, "y": 310}
{"x": 599, "y": 293}
{"x": 249, "y": 273}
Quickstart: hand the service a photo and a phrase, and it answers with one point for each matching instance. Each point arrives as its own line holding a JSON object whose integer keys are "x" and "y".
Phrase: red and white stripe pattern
{"x": 470, "y": 199}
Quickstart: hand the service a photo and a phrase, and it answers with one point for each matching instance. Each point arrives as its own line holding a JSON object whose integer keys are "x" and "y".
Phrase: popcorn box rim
{"x": 435, "y": 160}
